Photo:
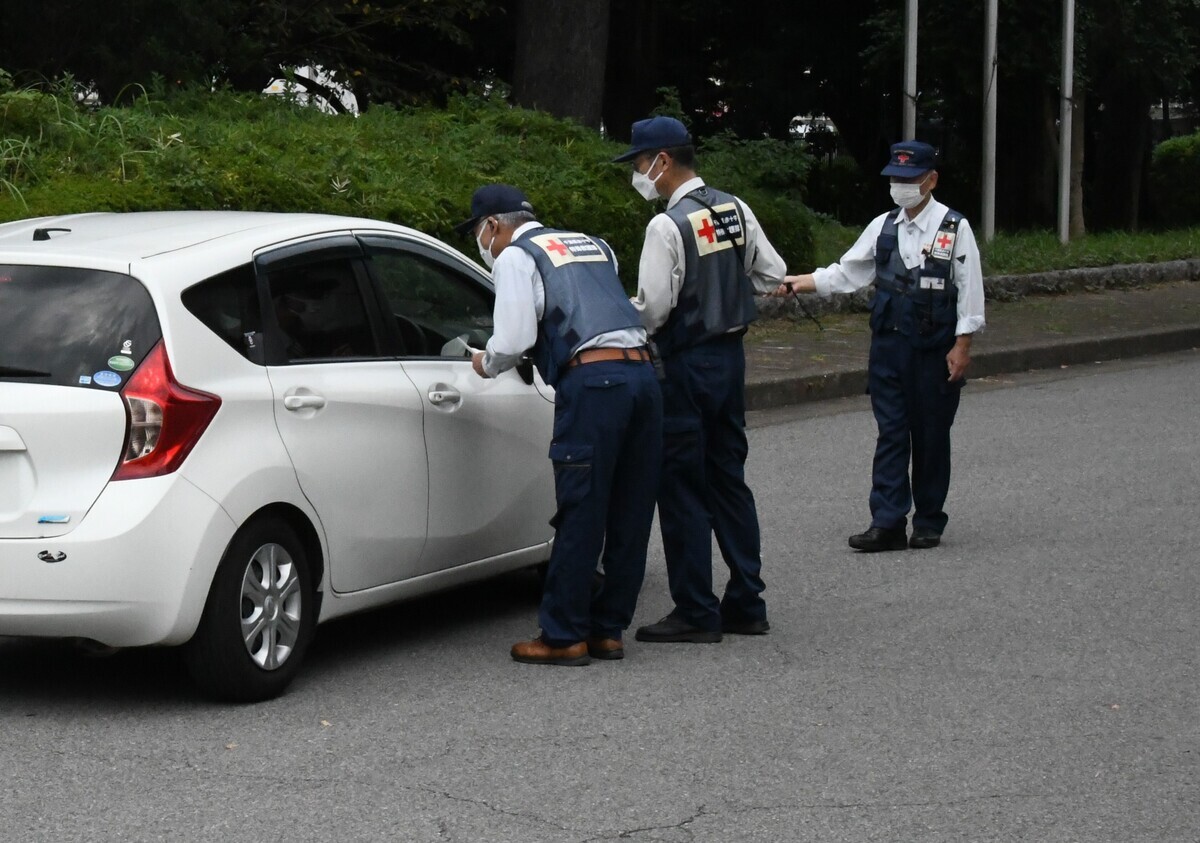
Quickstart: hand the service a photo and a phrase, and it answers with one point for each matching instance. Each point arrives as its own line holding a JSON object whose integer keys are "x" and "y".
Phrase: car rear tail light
{"x": 165, "y": 419}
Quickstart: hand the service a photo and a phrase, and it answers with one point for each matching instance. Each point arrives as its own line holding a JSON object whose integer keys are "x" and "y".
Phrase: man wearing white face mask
{"x": 702, "y": 260}
{"x": 924, "y": 262}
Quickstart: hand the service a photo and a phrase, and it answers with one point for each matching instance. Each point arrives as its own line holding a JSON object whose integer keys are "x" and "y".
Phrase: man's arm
{"x": 968, "y": 278}
{"x": 660, "y": 273}
{"x": 764, "y": 264}
{"x": 854, "y": 271}
{"x": 515, "y": 316}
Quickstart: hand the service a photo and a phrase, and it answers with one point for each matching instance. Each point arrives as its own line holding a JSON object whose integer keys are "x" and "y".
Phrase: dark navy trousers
{"x": 703, "y": 490}
{"x": 607, "y": 449}
{"x": 914, "y": 408}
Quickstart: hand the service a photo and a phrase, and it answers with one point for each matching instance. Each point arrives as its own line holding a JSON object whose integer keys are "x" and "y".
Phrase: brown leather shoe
{"x": 608, "y": 649}
{"x": 538, "y": 651}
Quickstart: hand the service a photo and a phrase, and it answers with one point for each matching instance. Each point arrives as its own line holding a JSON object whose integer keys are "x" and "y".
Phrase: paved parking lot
{"x": 1033, "y": 678}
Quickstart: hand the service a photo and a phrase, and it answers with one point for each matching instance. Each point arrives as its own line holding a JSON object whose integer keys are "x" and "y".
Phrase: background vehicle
{"x": 218, "y": 429}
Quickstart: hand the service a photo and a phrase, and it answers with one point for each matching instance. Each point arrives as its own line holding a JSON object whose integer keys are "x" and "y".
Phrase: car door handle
{"x": 304, "y": 402}
{"x": 442, "y": 394}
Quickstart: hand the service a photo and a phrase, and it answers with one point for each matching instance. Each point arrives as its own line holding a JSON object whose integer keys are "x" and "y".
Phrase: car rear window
{"x": 73, "y": 327}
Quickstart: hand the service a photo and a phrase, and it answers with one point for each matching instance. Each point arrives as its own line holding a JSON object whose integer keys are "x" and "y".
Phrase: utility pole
{"x": 910, "y": 70}
{"x": 989, "y": 121}
{"x": 1066, "y": 108}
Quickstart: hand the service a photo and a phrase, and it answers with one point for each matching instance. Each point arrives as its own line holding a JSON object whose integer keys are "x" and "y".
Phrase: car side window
{"x": 432, "y": 302}
{"x": 319, "y": 309}
{"x": 228, "y": 306}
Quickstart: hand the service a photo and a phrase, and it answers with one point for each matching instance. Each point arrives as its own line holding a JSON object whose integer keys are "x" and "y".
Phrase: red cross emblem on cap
{"x": 902, "y": 157}
{"x": 555, "y": 246}
{"x": 707, "y": 231}
{"x": 944, "y": 241}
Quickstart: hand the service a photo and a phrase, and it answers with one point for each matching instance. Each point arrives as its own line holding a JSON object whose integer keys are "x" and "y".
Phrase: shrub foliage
{"x": 417, "y": 167}
{"x": 1174, "y": 176}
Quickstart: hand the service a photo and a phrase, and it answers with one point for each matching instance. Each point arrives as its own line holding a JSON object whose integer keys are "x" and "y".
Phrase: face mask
{"x": 485, "y": 252}
{"x": 907, "y": 195}
{"x": 644, "y": 185}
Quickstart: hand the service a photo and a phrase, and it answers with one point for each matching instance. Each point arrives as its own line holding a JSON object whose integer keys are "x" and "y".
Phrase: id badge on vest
{"x": 932, "y": 282}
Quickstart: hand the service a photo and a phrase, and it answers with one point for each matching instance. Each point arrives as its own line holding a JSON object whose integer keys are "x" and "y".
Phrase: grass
{"x": 1039, "y": 251}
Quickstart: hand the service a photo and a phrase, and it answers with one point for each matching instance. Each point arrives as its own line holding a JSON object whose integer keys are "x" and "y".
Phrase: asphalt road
{"x": 1035, "y": 678}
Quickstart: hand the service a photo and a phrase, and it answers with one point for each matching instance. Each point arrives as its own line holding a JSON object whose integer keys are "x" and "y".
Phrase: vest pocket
{"x": 945, "y": 311}
{"x": 881, "y": 307}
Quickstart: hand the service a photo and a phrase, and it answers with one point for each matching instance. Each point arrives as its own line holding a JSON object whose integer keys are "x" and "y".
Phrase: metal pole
{"x": 1064, "y": 121}
{"x": 910, "y": 70}
{"x": 989, "y": 121}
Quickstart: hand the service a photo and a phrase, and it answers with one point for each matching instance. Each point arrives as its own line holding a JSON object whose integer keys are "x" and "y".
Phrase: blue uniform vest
{"x": 584, "y": 297}
{"x": 927, "y": 317}
{"x": 716, "y": 295}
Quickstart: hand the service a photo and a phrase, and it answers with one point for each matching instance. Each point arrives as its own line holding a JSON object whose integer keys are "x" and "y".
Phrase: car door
{"x": 491, "y": 488}
{"x": 350, "y": 417}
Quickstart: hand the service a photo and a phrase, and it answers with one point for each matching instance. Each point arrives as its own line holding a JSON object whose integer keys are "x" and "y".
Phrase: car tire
{"x": 259, "y": 617}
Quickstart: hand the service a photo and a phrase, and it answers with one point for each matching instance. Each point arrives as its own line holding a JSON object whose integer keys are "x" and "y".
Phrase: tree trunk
{"x": 633, "y": 74}
{"x": 1121, "y": 149}
{"x": 562, "y": 48}
{"x": 1075, "y": 225}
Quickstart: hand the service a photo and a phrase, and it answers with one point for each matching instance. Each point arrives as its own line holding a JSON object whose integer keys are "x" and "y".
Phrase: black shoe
{"x": 879, "y": 538}
{"x": 924, "y": 537}
{"x": 675, "y": 629}
{"x": 736, "y": 627}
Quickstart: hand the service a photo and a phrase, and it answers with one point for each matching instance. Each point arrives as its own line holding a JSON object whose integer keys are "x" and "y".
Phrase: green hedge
{"x": 418, "y": 167}
{"x": 1174, "y": 177}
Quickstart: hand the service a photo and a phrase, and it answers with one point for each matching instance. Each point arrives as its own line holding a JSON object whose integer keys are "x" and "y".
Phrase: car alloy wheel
{"x": 271, "y": 606}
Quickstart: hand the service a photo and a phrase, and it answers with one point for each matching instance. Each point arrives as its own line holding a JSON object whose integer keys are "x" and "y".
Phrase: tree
{"x": 390, "y": 50}
{"x": 560, "y": 58}
{"x": 1137, "y": 52}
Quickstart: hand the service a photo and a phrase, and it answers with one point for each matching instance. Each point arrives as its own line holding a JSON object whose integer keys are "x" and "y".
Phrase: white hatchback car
{"x": 218, "y": 429}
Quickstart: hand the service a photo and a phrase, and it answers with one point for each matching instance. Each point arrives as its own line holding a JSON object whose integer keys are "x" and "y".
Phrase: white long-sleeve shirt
{"x": 662, "y": 265}
{"x": 856, "y": 269}
{"x": 520, "y": 303}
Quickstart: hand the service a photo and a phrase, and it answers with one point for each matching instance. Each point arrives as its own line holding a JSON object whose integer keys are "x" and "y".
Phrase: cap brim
{"x": 464, "y": 228}
{"x": 903, "y": 172}
{"x": 627, "y": 156}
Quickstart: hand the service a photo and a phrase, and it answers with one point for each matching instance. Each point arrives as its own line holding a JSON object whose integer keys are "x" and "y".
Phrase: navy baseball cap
{"x": 655, "y": 133}
{"x": 910, "y": 158}
{"x": 494, "y": 199}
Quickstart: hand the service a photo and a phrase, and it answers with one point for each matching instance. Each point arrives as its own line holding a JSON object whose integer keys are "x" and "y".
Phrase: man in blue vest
{"x": 924, "y": 262}
{"x": 557, "y": 293}
{"x": 702, "y": 260}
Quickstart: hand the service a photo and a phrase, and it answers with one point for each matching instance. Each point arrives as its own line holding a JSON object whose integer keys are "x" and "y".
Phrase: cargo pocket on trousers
{"x": 572, "y": 477}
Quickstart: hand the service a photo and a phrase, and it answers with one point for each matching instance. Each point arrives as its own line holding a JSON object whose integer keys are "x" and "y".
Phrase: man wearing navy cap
{"x": 924, "y": 262}
{"x": 703, "y": 258}
{"x": 558, "y": 296}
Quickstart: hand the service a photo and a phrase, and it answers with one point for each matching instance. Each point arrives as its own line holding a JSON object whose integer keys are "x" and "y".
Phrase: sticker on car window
{"x": 85, "y": 379}
{"x": 106, "y": 378}
{"x": 120, "y": 363}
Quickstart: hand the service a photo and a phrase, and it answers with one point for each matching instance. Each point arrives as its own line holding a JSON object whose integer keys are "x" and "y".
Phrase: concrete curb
{"x": 768, "y": 393}
{"x": 1089, "y": 279}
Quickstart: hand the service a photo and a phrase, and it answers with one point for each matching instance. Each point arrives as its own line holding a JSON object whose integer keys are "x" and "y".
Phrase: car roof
{"x": 112, "y": 239}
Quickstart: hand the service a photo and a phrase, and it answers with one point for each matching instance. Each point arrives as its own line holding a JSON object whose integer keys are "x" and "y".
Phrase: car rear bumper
{"x": 135, "y": 571}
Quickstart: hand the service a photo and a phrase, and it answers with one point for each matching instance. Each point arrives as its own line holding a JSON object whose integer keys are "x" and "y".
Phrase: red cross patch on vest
{"x": 717, "y": 231}
{"x": 569, "y": 248}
